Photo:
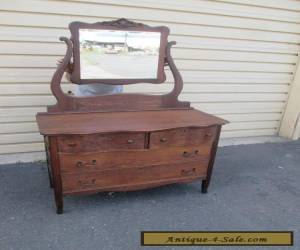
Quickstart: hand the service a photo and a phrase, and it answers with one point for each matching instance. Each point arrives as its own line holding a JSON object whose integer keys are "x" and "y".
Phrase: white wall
{"x": 237, "y": 58}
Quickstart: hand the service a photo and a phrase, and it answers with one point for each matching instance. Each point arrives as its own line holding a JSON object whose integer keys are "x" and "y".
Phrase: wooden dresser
{"x": 125, "y": 142}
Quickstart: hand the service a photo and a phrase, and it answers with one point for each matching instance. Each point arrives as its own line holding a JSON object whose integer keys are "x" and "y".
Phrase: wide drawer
{"x": 113, "y": 179}
{"x": 100, "y": 142}
{"x": 83, "y": 162}
{"x": 181, "y": 137}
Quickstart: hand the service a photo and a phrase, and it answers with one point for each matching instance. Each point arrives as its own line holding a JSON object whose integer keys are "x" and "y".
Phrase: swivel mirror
{"x": 118, "y": 55}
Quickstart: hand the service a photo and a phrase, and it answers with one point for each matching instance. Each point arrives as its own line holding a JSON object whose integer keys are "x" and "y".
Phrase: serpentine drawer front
{"x": 115, "y": 179}
{"x": 82, "y": 162}
{"x": 146, "y": 159}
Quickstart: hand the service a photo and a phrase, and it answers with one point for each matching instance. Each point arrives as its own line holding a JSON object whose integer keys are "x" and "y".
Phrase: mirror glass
{"x": 118, "y": 54}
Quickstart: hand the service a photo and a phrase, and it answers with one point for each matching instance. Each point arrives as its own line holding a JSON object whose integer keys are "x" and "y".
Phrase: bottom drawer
{"x": 111, "y": 179}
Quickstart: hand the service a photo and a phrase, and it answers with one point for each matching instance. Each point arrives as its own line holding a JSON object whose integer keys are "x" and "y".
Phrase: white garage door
{"x": 237, "y": 58}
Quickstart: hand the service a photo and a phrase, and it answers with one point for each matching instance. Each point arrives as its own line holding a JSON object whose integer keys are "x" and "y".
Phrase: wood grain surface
{"x": 131, "y": 121}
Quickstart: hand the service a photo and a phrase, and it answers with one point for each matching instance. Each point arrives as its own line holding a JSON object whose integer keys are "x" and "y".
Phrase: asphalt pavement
{"x": 254, "y": 187}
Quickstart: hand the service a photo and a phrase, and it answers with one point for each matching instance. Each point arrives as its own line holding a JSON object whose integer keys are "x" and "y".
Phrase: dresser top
{"x": 125, "y": 121}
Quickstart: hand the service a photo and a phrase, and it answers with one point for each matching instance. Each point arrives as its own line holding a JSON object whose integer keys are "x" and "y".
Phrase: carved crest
{"x": 123, "y": 23}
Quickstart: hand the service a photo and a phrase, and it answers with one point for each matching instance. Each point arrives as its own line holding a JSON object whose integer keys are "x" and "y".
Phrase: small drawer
{"x": 100, "y": 142}
{"x": 182, "y": 137}
{"x": 111, "y": 179}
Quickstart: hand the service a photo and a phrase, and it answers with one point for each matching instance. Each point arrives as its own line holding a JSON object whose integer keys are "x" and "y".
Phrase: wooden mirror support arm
{"x": 178, "y": 83}
{"x": 117, "y": 102}
{"x": 62, "y": 67}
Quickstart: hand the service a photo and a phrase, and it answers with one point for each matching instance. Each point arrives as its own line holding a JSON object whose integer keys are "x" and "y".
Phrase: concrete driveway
{"x": 254, "y": 187}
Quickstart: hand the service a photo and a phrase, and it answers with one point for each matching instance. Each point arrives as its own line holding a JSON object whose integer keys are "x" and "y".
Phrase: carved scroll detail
{"x": 56, "y": 79}
{"x": 177, "y": 77}
{"x": 172, "y": 97}
{"x": 123, "y": 23}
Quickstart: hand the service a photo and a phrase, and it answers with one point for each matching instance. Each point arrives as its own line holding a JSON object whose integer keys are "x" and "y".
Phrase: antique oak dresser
{"x": 124, "y": 142}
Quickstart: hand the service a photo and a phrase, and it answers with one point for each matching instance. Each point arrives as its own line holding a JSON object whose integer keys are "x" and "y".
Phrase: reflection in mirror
{"x": 116, "y": 54}
{"x": 70, "y": 88}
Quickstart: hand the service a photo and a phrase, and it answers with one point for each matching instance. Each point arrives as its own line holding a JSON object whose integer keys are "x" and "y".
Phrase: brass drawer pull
{"x": 188, "y": 172}
{"x": 79, "y": 164}
{"x": 163, "y": 139}
{"x": 190, "y": 154}
{"x": 87, "y": 183}
{"x": 208, "y": 134}
{"x": 84, "y": 164}
{"x": 72, "y": 144}
{"x": 130, "y": 141}
{"x": 186, "y": 154}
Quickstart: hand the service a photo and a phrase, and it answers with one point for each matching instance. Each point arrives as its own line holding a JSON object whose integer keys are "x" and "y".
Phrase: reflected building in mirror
{"x": 110, "y": 54}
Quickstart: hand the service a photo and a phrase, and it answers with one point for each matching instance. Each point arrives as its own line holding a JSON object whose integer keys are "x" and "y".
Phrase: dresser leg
{"x": 204, "y": 186}
{"x": 59, "y": 204}
{"x": 51, "y": 183}
{"x": 56, "y": 176}
{"x": 205, "y": 183}
{"x": 58, "y": 195}
{"x": 59, "y": 210}
{"x": 50, "y": 176}
{"x": 48, "y": 161}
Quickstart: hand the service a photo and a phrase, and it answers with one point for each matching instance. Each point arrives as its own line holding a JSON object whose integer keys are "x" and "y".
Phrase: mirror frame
{"x": 123, "y": 25}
